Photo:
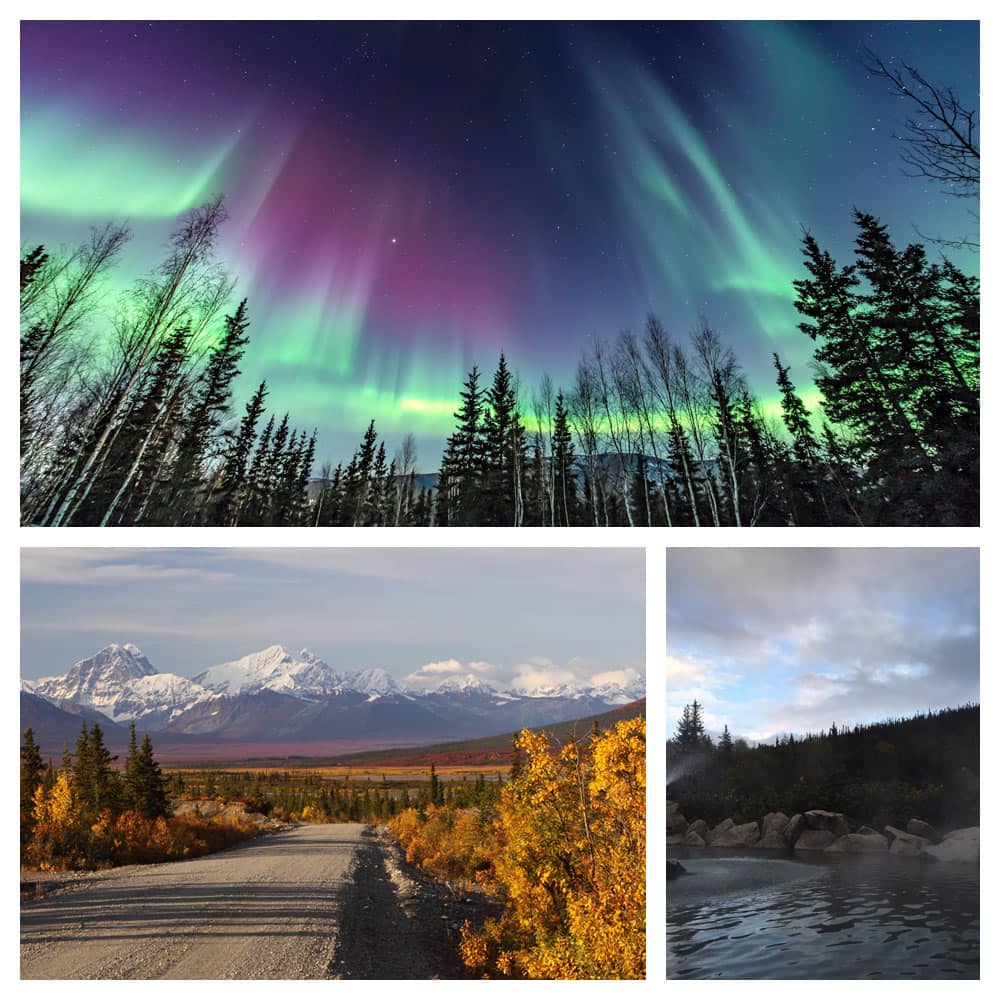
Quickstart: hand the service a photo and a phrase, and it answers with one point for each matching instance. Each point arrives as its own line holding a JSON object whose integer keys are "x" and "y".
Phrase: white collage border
{"x": 655, "y": 542}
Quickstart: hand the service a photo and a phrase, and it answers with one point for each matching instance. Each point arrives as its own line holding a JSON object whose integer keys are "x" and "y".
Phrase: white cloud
{"x": 624, "y": 678}
{"x": 430, "y": 673}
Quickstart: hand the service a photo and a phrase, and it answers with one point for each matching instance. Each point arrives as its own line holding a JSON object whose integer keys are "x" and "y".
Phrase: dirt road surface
{"x": 316, "y": 902}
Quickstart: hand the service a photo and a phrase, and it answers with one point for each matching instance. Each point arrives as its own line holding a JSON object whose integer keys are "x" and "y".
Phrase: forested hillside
{"x": 880, "y": 773}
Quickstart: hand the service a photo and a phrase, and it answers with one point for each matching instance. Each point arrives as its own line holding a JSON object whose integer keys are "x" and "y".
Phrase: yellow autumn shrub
{"x": 453, "y": 844}
{"x": 570, "y": 863}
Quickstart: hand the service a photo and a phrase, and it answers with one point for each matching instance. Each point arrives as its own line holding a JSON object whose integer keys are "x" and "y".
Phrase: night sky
{"x": 777, "y": 641}
{"x": 409, "y": 199}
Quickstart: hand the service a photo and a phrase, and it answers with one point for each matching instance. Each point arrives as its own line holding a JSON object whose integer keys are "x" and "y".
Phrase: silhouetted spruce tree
{"x": 906, "y": 304}
{"x": 358, "y": 479}
{"x": 230, "y": 483}
{"x": 255, "y": 497}
{"x": 377, "y": 495}
{"x": 184, "y": 490}
{"x": 458, "y": 498}
{"x": 567, "y": 501}
{"x": 866, "y": 386}
{"x": 503, "y": 456}
{"x": 690, "y": 735}
{"x": 330, "y": 499}
{"x": 31, "y": 264}
{"x": 804, "y": 469}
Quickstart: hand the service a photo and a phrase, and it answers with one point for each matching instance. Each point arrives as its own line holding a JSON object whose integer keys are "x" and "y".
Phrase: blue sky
{"x": 524, "y": 614}
{"x": 790, "y": 640}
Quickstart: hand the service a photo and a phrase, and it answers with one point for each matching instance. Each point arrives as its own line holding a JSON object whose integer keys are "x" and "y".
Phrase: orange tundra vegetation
{"x": 563, "y": 847}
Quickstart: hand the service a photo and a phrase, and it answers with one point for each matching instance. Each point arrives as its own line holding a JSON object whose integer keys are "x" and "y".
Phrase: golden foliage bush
{"x": 66, "y": 838}
{"x": 454, "y": 844}
{"x": 565, "y": 852}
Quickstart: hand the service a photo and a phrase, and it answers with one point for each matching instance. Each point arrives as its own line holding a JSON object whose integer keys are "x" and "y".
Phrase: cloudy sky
{"x": 522, "y": 615}
{"x": 790, "y": 640}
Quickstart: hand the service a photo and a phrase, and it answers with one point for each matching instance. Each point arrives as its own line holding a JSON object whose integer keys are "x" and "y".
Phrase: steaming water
{"x": 754, "y": 916}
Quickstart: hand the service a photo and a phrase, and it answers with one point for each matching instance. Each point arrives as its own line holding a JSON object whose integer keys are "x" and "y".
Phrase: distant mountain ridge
{"x": 276, "y": 694}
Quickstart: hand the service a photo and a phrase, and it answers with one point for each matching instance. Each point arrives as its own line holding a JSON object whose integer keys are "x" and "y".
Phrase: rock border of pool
{"x": 822, "y": 830}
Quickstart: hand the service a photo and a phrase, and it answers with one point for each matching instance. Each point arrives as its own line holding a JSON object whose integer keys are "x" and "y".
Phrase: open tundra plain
{"x": 314, "y": 902}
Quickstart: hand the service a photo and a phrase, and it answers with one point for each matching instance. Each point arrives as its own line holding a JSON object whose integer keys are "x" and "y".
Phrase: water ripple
{"x": 756, "y": 916}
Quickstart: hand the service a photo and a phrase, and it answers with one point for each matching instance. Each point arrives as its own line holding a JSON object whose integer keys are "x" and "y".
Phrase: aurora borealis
{"x": 406, "y": 200}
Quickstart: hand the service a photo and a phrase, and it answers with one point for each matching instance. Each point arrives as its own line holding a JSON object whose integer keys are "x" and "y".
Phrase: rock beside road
{"x": 223, "y": 811}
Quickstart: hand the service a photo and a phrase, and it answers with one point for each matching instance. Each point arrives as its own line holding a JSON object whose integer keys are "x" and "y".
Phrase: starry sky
{"x": 407, "y": 199}
{"x": 423, "y": 614}
{"x": 775, "y": 641}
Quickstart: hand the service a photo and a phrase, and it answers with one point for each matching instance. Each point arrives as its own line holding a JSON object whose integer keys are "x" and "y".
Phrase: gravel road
{"x": 316, "y": 902}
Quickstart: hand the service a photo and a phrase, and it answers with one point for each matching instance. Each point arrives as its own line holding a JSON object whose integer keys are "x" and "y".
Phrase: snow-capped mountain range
{"x": 275, "y": 692}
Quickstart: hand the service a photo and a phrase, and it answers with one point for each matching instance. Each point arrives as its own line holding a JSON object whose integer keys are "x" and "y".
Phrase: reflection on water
{"x": 756, "y": 916}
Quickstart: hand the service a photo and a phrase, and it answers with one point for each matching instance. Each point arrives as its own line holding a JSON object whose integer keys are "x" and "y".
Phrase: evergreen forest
{"x": 923, "y": 766}
{"x": 129, "y": 413}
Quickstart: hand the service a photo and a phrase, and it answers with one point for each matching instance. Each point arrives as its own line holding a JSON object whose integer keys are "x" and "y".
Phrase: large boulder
{"x": 719, "y": 828}
{"x": 815, "y": 840}
{"x": 745, "y": 835}
{"x": 959, "y": 845}
{"x": 795, "y": 827}
{"x": 675, "y": 840}
{"x": 774, "y": 841}
{"x": 821, "y": 819}
{"x": 905, "y": 844}
{"x": 700, "y": 827}
{"x": 859, "y": 843}
{"x": 921, "y": 829}
{"x": 776, "y": 822}
{"x": 692, "y": 839}
{"x": 676, "y": 822}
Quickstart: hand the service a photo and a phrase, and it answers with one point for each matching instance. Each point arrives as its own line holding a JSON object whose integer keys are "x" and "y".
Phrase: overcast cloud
{"x": 504, "y": 615}
{"x": 790, "y": 640}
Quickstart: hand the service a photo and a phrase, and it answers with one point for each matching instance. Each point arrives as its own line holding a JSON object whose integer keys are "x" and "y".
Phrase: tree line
{"x": 128, "y": 415}
{"x": 310, "y": 797}
{"x": 886, "y": 772}
{"x": 87, "y": 814}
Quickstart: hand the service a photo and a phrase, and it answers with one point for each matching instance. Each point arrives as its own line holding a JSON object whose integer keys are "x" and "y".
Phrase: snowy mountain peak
{"x": 462, "y": 684}
{"x": 371, "y": 682}
{"x": 272, "y": 669}
{"x": 122, "y": 684}
{"x": 113, "y": 663}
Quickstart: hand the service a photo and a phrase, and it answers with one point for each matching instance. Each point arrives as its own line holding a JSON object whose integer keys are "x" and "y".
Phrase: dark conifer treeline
{"x": 86, "y": 813}
{"x": 925, "y": 766}
{"x": 130, "y": 419}
{"x": 302, "y": 795}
